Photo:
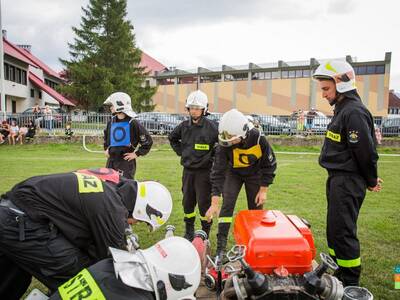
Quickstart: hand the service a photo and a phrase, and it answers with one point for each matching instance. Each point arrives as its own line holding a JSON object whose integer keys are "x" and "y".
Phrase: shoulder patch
{"x": 353, "y": 136}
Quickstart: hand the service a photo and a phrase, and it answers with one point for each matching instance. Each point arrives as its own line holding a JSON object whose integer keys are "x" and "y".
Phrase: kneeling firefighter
{"x": 243, "y": 156}
{"x": 168, "y": 270}
{"x": 52, "y": 226}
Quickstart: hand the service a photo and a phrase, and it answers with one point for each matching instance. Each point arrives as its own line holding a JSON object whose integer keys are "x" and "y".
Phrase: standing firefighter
{"x": 123, "y": 134}
{"x": 54, "y": 225}
{"x": 243, "y": 156}
{"x": 350, "y": 157}
{"x": 193, "y": 140}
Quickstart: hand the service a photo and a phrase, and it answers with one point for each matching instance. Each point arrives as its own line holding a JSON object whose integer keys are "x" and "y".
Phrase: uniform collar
{"x": 347, "y": 98}
{"x": 200, "y": 123}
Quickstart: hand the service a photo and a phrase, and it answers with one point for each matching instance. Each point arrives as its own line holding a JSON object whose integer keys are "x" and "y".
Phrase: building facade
{"x": 269, "y": 89}
{"x": 29, "y": 81}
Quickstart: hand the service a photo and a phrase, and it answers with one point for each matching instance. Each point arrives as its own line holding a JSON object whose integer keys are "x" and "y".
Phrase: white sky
{"x": 209, "y": 33}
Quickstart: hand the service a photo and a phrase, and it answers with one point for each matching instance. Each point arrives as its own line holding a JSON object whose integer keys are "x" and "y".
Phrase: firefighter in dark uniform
{"x": 350, "y": 157}
{"x": 123, "y": 134}
{"x": 194, "y": 140}
{"x": 243, "y": 156}
{"x": 52, "y": 226}
{"x": 171, "y": 270}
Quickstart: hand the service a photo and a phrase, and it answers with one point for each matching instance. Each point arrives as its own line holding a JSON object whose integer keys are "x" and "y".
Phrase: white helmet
{"x": 153, "y": 204}
{"x": 233, "y": 125}
{"x": 121, "y": 102}
{"x": 340, "y": 71}
{"x": 197, "y": 99}
{"x": 175, "y": 268}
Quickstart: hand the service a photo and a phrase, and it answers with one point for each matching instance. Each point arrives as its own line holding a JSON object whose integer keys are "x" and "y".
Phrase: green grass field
{"x": 299, "y": 189}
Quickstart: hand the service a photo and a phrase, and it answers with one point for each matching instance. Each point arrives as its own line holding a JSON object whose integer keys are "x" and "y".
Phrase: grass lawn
{"x": 299, "y": 188}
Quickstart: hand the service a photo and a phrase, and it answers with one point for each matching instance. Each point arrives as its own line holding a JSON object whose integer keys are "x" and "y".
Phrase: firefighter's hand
{"x": 130, "y": 156}
{"x": 213, "y": 211}
{"x": 378, "y": 186}
{"x": 106, "y": 153}
{"x": 261, "y": 197}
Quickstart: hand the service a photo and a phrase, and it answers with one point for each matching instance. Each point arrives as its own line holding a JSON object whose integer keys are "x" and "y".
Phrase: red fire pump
{"x": 273, "y": 259}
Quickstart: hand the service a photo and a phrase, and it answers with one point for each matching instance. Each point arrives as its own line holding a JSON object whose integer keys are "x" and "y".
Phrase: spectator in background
{"x": 14, "y": 131}
{"x": 4, "y": 131}
{"x": 48, "y": 119}
{"x": 36, "y": 114}
{"x": 68, "y": 131}
{"x": 31, "y": 131}
{"x": 300, "y": 121}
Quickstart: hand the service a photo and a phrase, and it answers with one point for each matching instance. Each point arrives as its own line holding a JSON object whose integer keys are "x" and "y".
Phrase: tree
{"x": 104, "y": 58}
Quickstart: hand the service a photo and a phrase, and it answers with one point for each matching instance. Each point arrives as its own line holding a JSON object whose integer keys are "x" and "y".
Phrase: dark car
{"x": 272, "y": 125}
{"x": 390, "y": 127}
{"x": 58, "y": 117}
{"x": 158, "y": 123}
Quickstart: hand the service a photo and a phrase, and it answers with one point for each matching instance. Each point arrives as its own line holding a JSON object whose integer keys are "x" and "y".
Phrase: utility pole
{"x": 2, "y": 91}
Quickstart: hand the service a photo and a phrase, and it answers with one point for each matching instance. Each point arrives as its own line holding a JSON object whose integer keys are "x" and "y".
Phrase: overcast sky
{"x": 209, "y": 33}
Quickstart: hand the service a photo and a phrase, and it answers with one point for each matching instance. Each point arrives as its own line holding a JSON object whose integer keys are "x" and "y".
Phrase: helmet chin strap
{"x": 337, "y": 99}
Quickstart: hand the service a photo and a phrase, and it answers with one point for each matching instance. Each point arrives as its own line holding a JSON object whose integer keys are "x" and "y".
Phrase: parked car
{"x": 390, "y": 127}
{"x": 215, "y": 117}
{"x": 315, "y": 122}
{"x": 272, "y": 125}
{"x": 58, "y": 117}
{"x": 158, "y": 123}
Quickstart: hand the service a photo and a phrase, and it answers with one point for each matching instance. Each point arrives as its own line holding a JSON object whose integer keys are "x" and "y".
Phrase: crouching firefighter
{"x": 52, "y": 226}
{"x": 168, "y": 270}
{"x": 194, "y": 140}
{"x": 243, "y": 156}
{"x": 123, "y": 134}
{"x": 350, "y": 157}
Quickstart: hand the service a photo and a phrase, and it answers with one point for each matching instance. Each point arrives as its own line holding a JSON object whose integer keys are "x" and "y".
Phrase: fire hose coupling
{"x": 169, "y": 231}
{"x": 132, "y": 240}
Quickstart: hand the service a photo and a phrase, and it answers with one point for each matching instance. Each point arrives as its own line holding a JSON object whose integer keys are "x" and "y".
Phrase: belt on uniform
{"x": 20, "y": 216}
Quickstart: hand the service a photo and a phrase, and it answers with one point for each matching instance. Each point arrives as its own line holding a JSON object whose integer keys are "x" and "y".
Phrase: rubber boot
{"x": 206, "y": 227}
{"x": 189, "y": 229}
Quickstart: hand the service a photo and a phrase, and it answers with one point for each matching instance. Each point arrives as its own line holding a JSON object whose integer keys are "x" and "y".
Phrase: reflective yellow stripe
{"x": 191, "y": 215}
{"x": 331, "y": 252}
{"x": 81, "y": 286}
{"x": 201, "y": 147}
{"x": 225, "y": 220}
{"x": 88, "y": 183}
{"x": 349, "y": 263}
{"x": 333, "y": 136}
{"x": 203, "y": 218}
{"x": 142, "y": 190}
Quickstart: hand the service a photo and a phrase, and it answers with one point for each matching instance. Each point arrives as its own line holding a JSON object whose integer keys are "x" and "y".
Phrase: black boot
{"x": 206, "y": 227}
{"x": 189, "y": 229}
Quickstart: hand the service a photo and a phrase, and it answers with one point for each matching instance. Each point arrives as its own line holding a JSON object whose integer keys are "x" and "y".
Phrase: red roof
{"x": 25, "y": 56}
{"x": 15, "y": 52}
{"x": 150, "y": 64}
{"x": 394, "y": 99}
{"x": 44, "y": 87}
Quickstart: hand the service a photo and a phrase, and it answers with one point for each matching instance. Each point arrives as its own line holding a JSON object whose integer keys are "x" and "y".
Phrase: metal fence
{"x": 163, "y": 123}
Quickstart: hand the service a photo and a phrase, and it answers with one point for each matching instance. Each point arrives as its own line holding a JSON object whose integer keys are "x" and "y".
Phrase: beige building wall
{"x": 272, "y": 96}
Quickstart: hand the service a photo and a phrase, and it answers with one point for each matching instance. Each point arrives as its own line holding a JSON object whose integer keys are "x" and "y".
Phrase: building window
{"x": 210, "y": 78}
{"x": 292, "y": 74}
{"x": 15, "y": 74}
{"x": 361, "y": 70}
{"x": 306, "y": 73}
{"x": 6, "y": 71}
{"x": 299, "y": 73}
{"x": 23, "y": 77}
{"x": 371, "y": 69}
{"x": 276, "y": 74}
{"x": 32, "y": 93}
{"x": 380, "y": 69}
{"x": 285, "y": 74}
{"x": 40, "y": 94}
{"x": 11, "y": 75}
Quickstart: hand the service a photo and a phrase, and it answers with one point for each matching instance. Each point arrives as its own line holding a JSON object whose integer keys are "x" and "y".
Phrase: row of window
{"x": 14, "y": 74}
{"x": 373, "y": 69}
{"x": 50, "y": 83}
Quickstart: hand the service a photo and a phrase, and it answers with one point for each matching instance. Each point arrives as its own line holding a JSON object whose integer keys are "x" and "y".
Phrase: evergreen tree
{"x": 104, "y": 58}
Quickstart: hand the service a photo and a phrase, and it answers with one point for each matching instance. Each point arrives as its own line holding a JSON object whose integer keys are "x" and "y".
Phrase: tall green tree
{"x": 104, "y": 58}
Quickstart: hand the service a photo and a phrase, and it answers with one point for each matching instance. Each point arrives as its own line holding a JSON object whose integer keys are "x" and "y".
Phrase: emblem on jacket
{"x": 353, "y": 136}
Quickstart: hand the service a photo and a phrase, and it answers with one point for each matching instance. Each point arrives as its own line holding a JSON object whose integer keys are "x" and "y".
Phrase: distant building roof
{"x": 150, "y": 64}
{"x": 53, "y": 93}
{"x": 394, "y": 99}
{"x": 15, "y": 52}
